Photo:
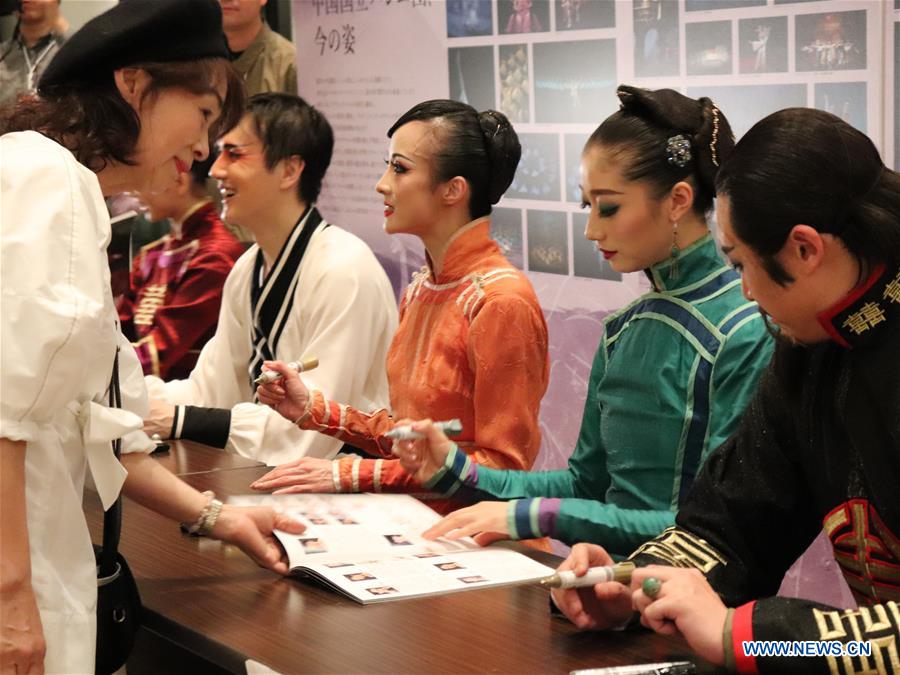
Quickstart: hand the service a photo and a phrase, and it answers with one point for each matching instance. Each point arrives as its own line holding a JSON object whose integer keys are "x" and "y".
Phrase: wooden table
{"x": 212, "y": 603}
{"x": 185, "y": 457}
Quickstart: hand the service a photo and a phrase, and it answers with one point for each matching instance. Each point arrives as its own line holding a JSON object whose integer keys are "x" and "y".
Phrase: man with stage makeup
{"x": 306, "y": 289}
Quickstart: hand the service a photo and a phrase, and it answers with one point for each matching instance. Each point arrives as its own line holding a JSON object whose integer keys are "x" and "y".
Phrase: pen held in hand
{"x": 405, "y": 433}
{"x": 620, "y": 572}
{"x": 302, "y": 366}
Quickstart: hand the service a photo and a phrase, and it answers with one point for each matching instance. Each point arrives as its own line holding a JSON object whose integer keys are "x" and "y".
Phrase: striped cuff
{"x": 448, "y": 479}
{"x": 209, "y": 426}
{"x": 177, "y": 422}
{"x": 345, "y": 472}
{"x": 354, "y": 474}
{"x": 336, "y": 475}
{"x": 727, "y": 642}
{"x": 318, "y": 409}
{"x": 376, "y": 475}
{"x": 741, "y": 631}
{"x": 523, "y": 518}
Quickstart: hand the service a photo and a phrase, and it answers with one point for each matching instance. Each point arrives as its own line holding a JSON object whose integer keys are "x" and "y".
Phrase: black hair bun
{"x": 700, "y": 120}
{"x": 503, "y": 149}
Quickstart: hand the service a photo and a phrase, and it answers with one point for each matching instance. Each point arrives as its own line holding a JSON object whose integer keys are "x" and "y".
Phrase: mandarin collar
{"x": 693, "y": 264}
{"x": 867, "y": 312}
{"x": 462, "y": 249}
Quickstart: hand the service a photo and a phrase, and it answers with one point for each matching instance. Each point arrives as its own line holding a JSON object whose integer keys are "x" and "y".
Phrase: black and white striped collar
{"x": 272, "y": 293}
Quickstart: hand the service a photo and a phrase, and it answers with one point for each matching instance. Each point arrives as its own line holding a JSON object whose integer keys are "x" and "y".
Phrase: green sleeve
{"x": 618, "y": 530}
{"x": 744, "y": 356}
{"x": 740, "y": 363}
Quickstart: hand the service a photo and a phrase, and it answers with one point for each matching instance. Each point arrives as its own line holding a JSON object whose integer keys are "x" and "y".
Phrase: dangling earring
{"x": 674, "y": 252}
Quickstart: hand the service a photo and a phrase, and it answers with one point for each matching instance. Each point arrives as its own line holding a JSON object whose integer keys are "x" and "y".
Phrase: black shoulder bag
{"x": 118, "y": 601}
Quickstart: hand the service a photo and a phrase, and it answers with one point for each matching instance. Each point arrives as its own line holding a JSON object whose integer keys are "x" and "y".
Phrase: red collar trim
{"x": 826, "y": 318}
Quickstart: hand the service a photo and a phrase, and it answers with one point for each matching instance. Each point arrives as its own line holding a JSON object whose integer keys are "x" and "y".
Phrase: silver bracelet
{"x": 208, "y": 516}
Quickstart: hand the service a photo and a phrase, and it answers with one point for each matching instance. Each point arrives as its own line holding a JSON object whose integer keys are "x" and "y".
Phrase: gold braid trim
{"x": 680, "y": 548}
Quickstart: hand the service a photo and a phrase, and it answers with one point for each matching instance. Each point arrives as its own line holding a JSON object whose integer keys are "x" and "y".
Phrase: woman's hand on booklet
{"x": 251, "y": 529}
{"x": 307, "y": 474}
{"x": 422, "y": 458}
{"x": 604, "y": 606}
{"x": 287, "y": 396}
{"x": 486, "y": 522}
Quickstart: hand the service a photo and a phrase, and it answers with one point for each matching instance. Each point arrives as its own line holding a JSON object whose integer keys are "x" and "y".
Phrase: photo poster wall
{"x": 553, "y": 66}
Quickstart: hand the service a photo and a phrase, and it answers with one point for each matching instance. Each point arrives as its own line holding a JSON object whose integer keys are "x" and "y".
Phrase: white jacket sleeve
{"x": 56, "y": 345}
{"x": 348, "y": 318}
{"x": 134, "y": 396}
{"x": 345, "y": 316}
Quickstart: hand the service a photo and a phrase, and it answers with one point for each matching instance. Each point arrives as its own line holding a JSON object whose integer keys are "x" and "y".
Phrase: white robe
{"x": 58, "y": 335}
{"x": 344, "y": 313}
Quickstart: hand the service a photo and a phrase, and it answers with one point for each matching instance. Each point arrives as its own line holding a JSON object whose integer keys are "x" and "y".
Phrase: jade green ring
{"x": 651, "y": 587}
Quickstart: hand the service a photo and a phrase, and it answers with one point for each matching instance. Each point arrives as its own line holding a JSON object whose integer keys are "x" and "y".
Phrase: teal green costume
{"x": 669, "y": 383}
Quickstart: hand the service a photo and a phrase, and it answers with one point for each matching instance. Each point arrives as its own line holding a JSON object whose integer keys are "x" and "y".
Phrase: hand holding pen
{"x": 423, "y": 446}
{"x": 602, "y": 606}
{"x": 269, "y": 376}
{"x": 405, "y": 432}
{"x": 285, "y": 392}
{"x": 564, "y": 579}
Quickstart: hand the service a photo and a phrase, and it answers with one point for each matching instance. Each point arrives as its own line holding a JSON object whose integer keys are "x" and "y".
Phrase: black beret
{"x": 136, "y": 31}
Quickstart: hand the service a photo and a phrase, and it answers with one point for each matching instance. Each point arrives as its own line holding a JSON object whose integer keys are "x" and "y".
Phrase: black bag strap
{"x": 112, "y": 519}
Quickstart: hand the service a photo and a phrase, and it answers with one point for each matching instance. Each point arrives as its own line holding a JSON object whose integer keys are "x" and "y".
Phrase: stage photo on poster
{"x": 468, "y": 17}
{"x": 655, "y": 38}
{"x": 708, "y": 48}
{"x": 708, "y": 5}
{"x": 847, "y": 100}
{"x": 831, "y": 41}
{"x": 472, "y": 76}
{"x": 506, "y": 230}
{"x": 515, "y": 84}
{"x": 574, "y": 81}
{"x": 548, "y": 245}
{"x": 763, "y": 45}
{"x": 537, "y": 176}
{"x": 523, "y": 16}
{"x": 584, "y": 14}
{"x": 573, "y": 146}
{"x": 746, "y": 105}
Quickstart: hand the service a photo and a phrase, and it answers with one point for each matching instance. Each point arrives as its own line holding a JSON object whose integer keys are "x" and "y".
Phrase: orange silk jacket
{"x": 471, "y": 344}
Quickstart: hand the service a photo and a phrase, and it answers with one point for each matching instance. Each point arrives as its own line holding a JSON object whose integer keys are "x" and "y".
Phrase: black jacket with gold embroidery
{"x": 818, "y": 447}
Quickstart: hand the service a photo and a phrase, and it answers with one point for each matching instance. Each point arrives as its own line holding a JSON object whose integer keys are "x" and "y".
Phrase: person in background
{"x": 37, "y": 38}
{"x": 307, "y": 288}
{"x": 171, "y": 308}
{"x": 675, "y": 368}
{"x": 472, "y": 341}
{"x": 127, "y": 104}
{"x": 263, "y": 57}
{"x": 811, "y": 216}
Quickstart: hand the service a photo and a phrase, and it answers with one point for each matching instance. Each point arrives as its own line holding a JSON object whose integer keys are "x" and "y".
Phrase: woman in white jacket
{"x": 127, "y": 104}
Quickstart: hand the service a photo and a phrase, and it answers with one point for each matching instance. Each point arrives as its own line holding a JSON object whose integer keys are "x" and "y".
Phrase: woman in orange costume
{"x": 472, "y": 341}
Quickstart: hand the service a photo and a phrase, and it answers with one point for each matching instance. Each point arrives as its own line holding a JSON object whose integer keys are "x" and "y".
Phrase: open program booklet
{"x": 369, "y": 547}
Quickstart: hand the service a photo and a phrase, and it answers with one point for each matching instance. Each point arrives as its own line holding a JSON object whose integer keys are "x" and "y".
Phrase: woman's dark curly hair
{"x": 99, "y": 127}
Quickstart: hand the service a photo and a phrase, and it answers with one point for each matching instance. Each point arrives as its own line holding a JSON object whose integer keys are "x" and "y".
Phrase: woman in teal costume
{"x": 674, "y": 369}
